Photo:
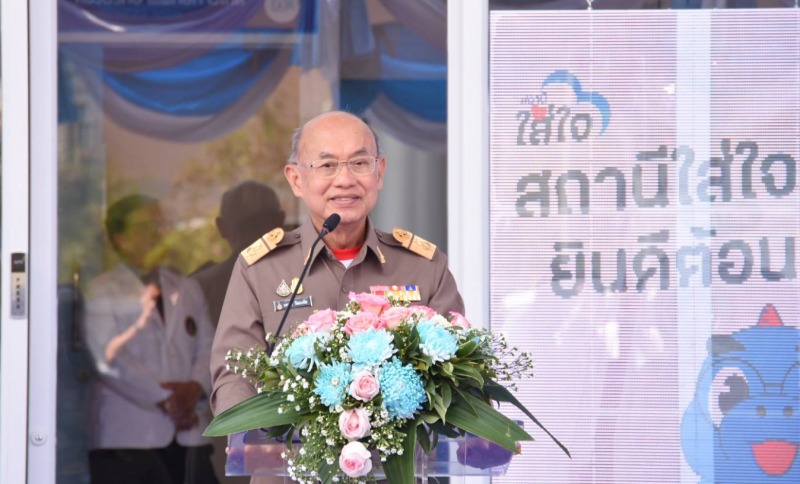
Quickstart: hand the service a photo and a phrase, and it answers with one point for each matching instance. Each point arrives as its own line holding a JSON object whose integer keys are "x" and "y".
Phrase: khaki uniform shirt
{"x": 249, "y": 310}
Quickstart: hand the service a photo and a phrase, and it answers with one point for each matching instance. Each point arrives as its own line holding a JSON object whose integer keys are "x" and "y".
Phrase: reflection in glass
{"x": 193, "y": 104}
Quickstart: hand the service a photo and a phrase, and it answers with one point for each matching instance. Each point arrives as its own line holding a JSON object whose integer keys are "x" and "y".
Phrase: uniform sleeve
{"x": 127, "y": 375}
{"x": 240, "y": 327}
{"x": 445, "y": 296}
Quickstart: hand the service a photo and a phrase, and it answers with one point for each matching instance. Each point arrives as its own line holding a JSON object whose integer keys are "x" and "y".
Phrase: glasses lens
{"x": 326, "y": 168}
{"x": 362, "y": 165}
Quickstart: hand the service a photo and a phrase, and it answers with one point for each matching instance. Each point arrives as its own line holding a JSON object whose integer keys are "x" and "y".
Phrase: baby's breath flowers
{"x": 356, "y": 385}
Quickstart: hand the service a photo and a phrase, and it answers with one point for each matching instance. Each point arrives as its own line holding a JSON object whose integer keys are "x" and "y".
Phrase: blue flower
{"x": 371, "y": 347}
{"x": 302, "y": 354}
{"x": 436, "y": 341}
{"x": 402, "y": 389}
{"x": 332, "y": 383}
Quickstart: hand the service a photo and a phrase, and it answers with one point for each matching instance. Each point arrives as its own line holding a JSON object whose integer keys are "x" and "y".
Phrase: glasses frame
{"x": 314, "y": 166}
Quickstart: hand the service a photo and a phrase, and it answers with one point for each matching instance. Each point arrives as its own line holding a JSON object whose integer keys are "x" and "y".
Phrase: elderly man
{"x": 335, "y": 167}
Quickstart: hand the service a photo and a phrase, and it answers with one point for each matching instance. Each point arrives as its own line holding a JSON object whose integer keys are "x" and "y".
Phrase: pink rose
{"x": 394, "y": 316}
{"x": 361, "y": 321}
{"x": 424, "y": 311}
{"x": 370, "y": 302}
{"x": 355, "y": 459}
{"x": 459, "y": 320}
{"x": 321, "y": 320}
{"x": 354, "y": 424}
{"x": 364, "y": 386}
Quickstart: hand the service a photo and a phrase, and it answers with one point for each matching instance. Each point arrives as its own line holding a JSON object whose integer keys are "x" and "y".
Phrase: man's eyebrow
{"x": 361, "y": 151}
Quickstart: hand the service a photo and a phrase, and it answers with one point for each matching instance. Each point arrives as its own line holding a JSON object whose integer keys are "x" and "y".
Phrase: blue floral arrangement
{"x": 371, "y": 382}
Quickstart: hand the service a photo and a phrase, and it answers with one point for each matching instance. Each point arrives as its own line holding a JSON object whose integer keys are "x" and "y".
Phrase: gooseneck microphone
{"x": 328, "y": 226}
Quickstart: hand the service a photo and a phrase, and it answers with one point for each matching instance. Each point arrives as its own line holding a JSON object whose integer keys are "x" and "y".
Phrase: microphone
{"x": 328, "y": 226}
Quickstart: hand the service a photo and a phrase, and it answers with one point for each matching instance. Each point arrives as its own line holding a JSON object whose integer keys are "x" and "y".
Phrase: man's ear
{"x": 381, "y": 168}
{"x": 293, "y": 177}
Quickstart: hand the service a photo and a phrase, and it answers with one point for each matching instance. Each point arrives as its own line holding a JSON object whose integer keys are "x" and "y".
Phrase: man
{"x": 149, "y": 334}
{"x": 247, "y": 211}
{"x": 335, "y": 167}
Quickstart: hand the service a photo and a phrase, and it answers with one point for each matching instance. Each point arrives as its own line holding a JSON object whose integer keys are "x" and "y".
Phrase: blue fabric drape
{"x": 408, "y": 71}
{"x": 186, "y": 91}
{"x": 203, "y": 86}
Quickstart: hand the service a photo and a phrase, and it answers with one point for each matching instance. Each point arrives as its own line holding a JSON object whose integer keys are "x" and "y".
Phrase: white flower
{"x": 440, "y": 320}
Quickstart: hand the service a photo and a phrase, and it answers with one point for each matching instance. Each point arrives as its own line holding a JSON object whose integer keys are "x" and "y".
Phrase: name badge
{"x": 299, "y": 302}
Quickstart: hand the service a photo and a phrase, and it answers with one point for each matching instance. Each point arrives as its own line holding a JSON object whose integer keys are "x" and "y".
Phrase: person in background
{"x": 247, "y": 210}
{"x": 149, "y": 334}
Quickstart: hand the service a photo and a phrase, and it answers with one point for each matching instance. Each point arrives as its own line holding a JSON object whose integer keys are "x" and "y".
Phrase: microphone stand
{"x": 327, "y": 227}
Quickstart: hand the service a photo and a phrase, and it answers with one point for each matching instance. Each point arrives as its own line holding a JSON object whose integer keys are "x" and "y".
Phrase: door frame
{"x": 28, "y": 343}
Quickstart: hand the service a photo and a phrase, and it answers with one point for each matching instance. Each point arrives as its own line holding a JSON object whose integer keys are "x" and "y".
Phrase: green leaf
{"x": 254, "y": 413}
{"x": 489, "y": 424}
{"x": 447, "y": 430}
{"x": 500, "y": 393}
{"x": 423, "y": 438}
{"x": 429, "y": 418}
{"x": 440, "y": 408}
{"x": 447, "y": 368}
{"x": 467, "y": 348}
{"x": 447, "y": 395}
{"x": 400, "y": 468}
{"x": 327, "y": 472}
{"x": 463, "y": 397}
{"x": 468, "y": 372}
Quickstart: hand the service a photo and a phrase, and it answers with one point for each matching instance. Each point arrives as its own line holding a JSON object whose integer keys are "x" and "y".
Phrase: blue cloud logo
{"x": 597, "y": 100}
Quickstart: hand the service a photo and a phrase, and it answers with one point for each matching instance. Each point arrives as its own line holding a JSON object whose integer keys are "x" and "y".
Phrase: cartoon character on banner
{"x": 744, "y": 424}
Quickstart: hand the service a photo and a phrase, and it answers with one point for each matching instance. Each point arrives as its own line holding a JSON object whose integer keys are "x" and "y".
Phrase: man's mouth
{"x": 775, "y": 457}
{"x": 344, "y": 200}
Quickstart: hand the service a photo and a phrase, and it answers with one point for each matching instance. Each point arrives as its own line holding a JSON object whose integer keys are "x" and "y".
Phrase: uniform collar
{"x": 308, "y": 234}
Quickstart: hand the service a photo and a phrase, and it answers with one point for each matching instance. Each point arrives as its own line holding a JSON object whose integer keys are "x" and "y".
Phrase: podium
{"x": 253, "y": 454}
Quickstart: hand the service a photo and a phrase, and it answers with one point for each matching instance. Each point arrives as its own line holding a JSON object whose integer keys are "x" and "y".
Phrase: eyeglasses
{"x": 359, "y": 166}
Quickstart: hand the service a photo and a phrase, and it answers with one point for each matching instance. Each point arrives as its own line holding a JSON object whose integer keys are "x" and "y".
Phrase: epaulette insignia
{"x": 262, "y": 246}
{"x": 415, "y": 244}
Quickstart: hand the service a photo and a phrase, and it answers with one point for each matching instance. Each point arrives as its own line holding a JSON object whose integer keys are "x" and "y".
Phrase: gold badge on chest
{"x": 283, "y": 289}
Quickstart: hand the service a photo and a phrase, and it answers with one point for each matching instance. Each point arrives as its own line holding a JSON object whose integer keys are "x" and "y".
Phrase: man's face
{"x": 138, "y": 244}
{"x": 340, "y": 137}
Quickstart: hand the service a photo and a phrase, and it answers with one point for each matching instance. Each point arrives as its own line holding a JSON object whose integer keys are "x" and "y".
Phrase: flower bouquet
{"x": 378, "y": 377}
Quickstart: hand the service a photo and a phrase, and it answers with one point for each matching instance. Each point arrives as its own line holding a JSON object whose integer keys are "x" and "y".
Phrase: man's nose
{"x": 345, "y": 176}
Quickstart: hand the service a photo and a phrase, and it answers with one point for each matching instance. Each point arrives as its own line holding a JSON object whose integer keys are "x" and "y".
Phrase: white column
{"x": 14, "y": 330}
{"x": 468, "y": 152}
{"x": 468, "y": 156}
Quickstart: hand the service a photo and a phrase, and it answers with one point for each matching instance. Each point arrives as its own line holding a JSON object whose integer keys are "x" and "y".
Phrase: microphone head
{"x": 331, "y": 222}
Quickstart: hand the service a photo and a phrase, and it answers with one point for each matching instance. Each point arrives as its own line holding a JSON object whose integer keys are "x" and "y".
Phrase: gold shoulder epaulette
{"x": 262, "y": 246}
{"x": 415, "y": 244}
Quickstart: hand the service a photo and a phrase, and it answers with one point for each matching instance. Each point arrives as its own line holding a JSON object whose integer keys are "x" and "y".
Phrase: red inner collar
{"x": 346, "y": 254}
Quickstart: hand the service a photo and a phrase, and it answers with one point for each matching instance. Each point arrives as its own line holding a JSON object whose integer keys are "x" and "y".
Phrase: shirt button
{"x": 344, "y": 289}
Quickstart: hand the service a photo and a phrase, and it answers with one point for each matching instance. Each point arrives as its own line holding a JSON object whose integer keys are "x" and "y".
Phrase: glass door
{"x": 162, "y": 129}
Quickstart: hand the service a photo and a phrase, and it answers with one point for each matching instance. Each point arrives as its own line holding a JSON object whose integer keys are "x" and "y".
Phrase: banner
{"x": 645, "y": 216}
